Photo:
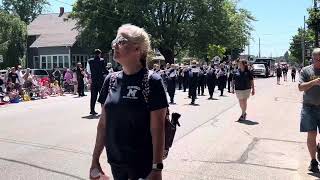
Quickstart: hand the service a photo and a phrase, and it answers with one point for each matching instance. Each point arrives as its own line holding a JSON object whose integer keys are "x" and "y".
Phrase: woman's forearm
{"x": 158, "y": 134}
{"x": 100, "y": 139}
{"x": 158, "y": 143}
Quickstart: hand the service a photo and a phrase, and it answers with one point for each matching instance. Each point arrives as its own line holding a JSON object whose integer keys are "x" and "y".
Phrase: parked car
{"x": 264, "y": 67}
{"x": 41, "y": 73}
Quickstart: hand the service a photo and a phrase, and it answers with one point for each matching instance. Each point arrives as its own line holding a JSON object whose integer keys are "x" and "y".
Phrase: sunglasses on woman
{"x": 119, "y": 41}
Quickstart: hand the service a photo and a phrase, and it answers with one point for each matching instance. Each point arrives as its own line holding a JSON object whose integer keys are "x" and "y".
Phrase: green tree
{"x": 12, "y": 39}
{"x": 215, "y": 50}
{"x": 238, "y": 29}
{"x": 296, "y": 44}
{"x": 27, "y": 10}
{"x": 175, "y": 25}
{"x": 313, "y": 22}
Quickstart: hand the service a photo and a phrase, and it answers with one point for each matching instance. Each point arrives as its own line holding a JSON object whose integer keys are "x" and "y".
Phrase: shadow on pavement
{"x": 91, "y": 117}
{"x": 315, "y": 175}
{"x": 192, "y": 104}
{"x": 212, "y": 99}
{"x": 248, "y": 122}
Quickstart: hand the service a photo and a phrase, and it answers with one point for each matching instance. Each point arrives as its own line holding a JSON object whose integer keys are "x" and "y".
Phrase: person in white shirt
{"x": 20, "y": 76}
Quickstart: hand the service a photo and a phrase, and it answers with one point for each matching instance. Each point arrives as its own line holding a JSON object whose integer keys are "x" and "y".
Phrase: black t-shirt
{"x": 243, "y": 80}
{"x": 201, "y": 76}
{"x": 279, "y": 71}
{"x": 13, "y": 76}
{"x": 128, "y": 136}
{"x": 211, "y": 75}
{"x": 98, "y": 70}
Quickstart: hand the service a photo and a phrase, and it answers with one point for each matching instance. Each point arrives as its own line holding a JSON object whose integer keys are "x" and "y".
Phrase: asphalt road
{"x": 54, "y": 138}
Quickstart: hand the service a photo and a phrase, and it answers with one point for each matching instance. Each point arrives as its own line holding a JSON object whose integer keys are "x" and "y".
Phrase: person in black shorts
{"x": 131, "y": 128}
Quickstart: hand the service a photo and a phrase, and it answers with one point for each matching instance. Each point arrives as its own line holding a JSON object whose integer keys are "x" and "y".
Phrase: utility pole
{"x": 303, "y": 42}
{"x": 259, "y": 48}
{"x": 316, "y": 29}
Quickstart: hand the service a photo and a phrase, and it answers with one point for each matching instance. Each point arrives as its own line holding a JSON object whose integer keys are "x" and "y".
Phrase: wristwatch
{"x": 157, "y": 166}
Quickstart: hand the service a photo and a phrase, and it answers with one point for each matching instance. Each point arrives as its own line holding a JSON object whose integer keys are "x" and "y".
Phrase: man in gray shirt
{"x": 310, "y": 113}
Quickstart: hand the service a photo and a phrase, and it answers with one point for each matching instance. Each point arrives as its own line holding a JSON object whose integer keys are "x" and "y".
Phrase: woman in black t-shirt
{"x": 131, "y": 125}
{"x": 243, "y": 86}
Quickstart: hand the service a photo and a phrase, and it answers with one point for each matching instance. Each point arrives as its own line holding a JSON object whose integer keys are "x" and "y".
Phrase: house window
{"x": 49, "y": 62}
{"x": 43, "y": 62}
{"x": 74, "y": 62}
{"x": 83, "y": 59}
{"x": 66, "y": 62}
{"x": 36, "y": 62}
{"x": 60, "y": 61}
{"x": 55, "y": 61}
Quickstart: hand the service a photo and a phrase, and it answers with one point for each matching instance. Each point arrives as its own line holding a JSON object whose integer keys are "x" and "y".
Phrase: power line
{"x": 63, "y": 2}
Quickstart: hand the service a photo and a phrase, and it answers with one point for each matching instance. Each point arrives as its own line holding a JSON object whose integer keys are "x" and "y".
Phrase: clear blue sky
{"x": 277, "y": 21}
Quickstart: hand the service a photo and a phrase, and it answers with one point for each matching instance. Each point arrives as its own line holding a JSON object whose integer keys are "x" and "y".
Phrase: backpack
{"x": 170, "y": 123}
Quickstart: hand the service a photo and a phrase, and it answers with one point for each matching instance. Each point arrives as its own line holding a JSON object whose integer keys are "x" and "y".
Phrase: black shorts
{"x": 135, "y": 173}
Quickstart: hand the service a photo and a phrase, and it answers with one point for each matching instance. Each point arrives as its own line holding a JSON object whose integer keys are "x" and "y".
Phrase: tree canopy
{"x": 12, "y": 39}
{"x": 174, "y": 25}
{"x": 27, "y": 10}
{"x": 308, "y": 36}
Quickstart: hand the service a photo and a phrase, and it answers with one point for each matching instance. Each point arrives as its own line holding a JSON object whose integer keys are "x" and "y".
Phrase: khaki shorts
{"x": 243, "y": 94}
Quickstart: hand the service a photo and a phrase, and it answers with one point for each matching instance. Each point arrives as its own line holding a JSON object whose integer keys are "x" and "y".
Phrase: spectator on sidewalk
{"x": 6, "y": 75}
{"x": 131, "y": 130}
{"x": 243, "y": 86}
{"x": 20, "y": 75}
{"x": 310, "y": 114}
{"x": 74, "y": 81}
{"x": 80, "y": 79}
{"x": 13, "y": 76}
{"x": 57, "y": 76}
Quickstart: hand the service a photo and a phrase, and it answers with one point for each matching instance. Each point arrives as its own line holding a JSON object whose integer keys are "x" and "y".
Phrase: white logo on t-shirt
{"x": 132, "y": 92}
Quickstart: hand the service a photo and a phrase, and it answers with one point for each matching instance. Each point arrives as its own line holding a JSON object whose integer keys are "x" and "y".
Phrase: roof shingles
{"x": 53, "y": 30}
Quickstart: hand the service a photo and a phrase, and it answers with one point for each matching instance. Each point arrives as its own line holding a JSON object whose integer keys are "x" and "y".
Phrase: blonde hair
{"x": 316, "y": 51}
{"x": 138, "y": 36}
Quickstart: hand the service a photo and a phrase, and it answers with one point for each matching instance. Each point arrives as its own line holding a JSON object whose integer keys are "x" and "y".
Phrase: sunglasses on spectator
{"x": 119, "y": 41}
